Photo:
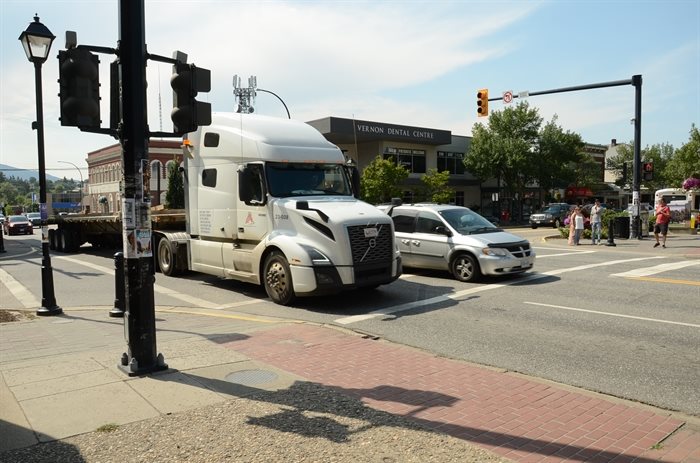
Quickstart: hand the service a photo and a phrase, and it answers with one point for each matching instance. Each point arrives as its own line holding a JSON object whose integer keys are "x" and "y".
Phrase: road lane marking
{"x": 655, "y": 320}
{"x": 648, "y": 271}
{"x": 539, "y": 256}
{"x": 459, "y": 294}
{"x": 19, "y": 291}
{"x": 667, "y": 280}
{"x": 197, "y": 302}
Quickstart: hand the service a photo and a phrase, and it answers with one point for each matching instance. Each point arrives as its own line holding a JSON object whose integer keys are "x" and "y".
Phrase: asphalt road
{"x": 625, "y": 322}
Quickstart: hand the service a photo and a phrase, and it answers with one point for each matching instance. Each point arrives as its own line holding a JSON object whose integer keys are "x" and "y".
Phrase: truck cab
{"x": 272, "y": 202}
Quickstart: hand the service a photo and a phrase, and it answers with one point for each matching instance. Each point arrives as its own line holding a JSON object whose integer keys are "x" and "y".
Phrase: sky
{"x": 399, "y": 62}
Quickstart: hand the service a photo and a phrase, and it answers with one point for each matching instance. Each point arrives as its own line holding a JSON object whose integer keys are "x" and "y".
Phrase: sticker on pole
{"x": 507, "y": 96}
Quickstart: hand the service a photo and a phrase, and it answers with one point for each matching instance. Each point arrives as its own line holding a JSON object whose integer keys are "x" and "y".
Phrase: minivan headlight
{"x": 496, "y": 252}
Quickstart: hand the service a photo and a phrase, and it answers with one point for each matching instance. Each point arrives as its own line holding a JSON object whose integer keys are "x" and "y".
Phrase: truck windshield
{"x": 286, "y": 179}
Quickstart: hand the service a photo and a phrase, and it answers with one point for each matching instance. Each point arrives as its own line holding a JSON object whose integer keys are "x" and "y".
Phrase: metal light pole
{"x": 36, "y": 40}
{"x": 82, "y": 185}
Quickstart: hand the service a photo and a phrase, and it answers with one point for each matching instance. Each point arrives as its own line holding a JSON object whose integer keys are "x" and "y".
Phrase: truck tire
{"x": 465, "y": 268}
{"x": 277, "y": 279}
{"x": 166, "y": 258}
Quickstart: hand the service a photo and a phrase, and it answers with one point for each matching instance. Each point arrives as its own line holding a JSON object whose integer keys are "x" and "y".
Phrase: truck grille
{"x": 521, "y": 249}
{"x": 373, "y": 249}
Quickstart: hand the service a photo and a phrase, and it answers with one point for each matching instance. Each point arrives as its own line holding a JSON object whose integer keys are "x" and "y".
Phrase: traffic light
{"x": 188, "y": 114}
{"x": 79, "y": 83}
{"x": 648, "y": 170}
{"x": 482, "y": 102}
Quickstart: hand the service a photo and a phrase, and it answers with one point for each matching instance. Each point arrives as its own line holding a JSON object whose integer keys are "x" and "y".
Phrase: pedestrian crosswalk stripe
{"x": 648, "y": 271}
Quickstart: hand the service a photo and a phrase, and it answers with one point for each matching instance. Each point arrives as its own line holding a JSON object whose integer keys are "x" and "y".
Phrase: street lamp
{"x": 36, "y": 41}
{"x": 81, "y": 182}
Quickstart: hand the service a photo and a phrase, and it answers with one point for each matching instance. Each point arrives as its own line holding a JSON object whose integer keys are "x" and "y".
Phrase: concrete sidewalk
{"x": 59, "y": 378}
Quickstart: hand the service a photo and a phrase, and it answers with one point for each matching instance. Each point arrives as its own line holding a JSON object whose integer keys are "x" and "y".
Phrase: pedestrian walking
{"x": 596, "y": 222}
{"x": 663, "y": 217}
{"x": 572, "y": 226}
{"x": 578, "y": 225}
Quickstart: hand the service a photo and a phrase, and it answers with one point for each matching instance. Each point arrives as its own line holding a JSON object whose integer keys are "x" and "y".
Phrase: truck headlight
{"x": 316, "y": 256}
{"x": 496, "y": 252}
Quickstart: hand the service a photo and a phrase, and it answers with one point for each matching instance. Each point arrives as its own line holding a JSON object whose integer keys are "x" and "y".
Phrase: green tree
{"x": 506, "y": 148}
{"x": 659, "y": 154}
{"x": 557, "y": 151}
{"x": 685, "y": 161}
{"x": 175, "y": 196}
{"x": 436, "y": 189}
{"x": 381, "y": 180}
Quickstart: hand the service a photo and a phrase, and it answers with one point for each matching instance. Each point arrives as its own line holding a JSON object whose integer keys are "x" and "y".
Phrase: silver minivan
{"x": 457, "y": 239}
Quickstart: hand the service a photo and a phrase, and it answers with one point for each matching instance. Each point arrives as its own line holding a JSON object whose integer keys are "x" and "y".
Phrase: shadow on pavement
{"x": 46, "y": 452}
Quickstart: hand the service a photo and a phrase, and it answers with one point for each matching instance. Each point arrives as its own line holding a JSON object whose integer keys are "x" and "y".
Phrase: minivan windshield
{"x": 467, "y": 222}
{"x": 286, "y": 179}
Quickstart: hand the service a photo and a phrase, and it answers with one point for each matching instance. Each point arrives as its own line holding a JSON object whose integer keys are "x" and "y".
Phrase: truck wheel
{"x": 166, "y": 258}
{"x": 465, "y": 268}
{"x": 277, "y": 278}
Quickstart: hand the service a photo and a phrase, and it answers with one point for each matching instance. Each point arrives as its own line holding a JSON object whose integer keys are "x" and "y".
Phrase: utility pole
{"x": 139, "y": 316}
{"x": 636, "y": 81}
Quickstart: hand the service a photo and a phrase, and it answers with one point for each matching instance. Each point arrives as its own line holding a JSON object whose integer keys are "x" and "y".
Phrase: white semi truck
{"x": 268, "y": 201}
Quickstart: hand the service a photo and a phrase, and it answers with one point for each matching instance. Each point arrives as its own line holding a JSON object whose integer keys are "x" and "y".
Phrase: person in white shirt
{"x": 596, "y": 222}
{"x": 578, "y": 224}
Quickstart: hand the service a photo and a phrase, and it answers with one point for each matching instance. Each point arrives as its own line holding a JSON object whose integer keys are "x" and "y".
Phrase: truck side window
{"x": 209, "y": 177}
{"x": 250, "y": 185}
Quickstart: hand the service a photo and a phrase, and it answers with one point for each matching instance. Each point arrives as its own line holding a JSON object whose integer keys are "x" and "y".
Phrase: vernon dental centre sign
{"x": 403, "y": 132}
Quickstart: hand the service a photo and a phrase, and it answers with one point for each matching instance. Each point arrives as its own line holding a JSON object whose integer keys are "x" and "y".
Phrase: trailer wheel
{"x": 278, "y": 279}
{"x": 166, "y": 258}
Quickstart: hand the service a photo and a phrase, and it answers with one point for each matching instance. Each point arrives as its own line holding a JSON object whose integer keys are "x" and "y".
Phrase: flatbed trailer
{"x": 105, "y": 230}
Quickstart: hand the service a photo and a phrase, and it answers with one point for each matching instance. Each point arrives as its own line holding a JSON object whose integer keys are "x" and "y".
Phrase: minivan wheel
{"x": 465, "y": 268}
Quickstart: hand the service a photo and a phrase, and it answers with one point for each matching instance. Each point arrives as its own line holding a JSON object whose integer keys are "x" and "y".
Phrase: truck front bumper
{"x": 329, "y": 279}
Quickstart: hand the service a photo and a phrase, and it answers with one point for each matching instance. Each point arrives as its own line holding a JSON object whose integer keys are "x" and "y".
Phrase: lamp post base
{"x": 48, "y": 311}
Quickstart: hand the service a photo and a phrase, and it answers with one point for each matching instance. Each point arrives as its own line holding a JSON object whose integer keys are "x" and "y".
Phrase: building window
{"x": 459, "y": 198}
{"x": 412, "y": 160}
{"x": 451, "y": 162}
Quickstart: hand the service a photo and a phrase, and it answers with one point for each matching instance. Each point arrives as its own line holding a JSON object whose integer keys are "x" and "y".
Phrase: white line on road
{"x": 19, "y": 291}
{"x": 459, "y": 294}
{"x": 645, "y": 272}
{"x": 656, "y": 320}
{"x": 197, "y": 302}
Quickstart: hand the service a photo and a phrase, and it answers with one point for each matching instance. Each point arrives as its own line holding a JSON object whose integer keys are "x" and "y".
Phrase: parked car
{"x": 2, "y": 218}
{"x": 642, "y": 208}
{"x": 457, "y": 239}
{"x": 553, "y": 215}
{"x": 16, "y": 224}
{"x": 34, "y": 218}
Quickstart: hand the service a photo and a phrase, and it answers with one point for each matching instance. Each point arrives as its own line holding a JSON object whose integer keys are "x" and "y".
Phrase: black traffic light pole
{"x": 636, "y": 81}
{"x": 139, "y": 317}
{"x": 79, "y": 83}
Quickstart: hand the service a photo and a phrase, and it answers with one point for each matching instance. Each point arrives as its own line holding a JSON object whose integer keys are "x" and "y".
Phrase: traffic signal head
{"x": 648, "y": 171}
{"x": 79, "y": 83}
{"x": 188, "y": 113}
{"x": 482, "y": 102}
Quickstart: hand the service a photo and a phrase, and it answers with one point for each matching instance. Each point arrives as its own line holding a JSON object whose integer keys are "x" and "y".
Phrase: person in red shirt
{"x": 663, "y": 217}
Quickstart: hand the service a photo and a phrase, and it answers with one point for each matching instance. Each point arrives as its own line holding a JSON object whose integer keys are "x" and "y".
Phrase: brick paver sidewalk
{"x": 521, "y": 419}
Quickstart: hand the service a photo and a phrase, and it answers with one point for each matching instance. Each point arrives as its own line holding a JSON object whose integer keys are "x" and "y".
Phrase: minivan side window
{"x": 427, "y": 223}
{"x": 403, "y": 221}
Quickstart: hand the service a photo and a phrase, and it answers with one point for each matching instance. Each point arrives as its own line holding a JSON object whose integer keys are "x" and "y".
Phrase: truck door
{"x": 252, "y": 210}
